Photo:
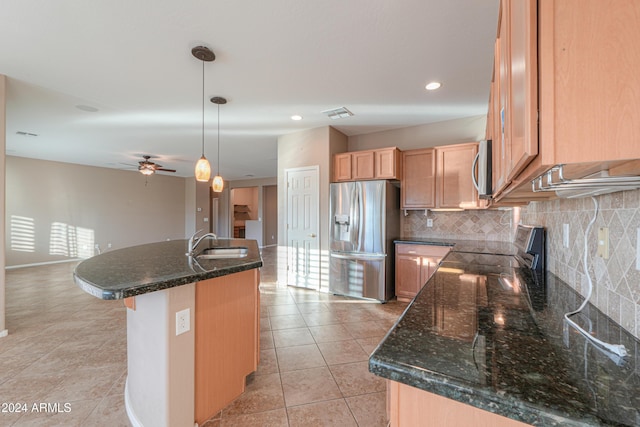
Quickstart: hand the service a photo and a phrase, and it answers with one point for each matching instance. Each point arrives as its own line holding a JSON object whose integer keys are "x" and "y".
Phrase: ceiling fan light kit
{"x": 203, "y": 169}
{"x": 218, "y": 184}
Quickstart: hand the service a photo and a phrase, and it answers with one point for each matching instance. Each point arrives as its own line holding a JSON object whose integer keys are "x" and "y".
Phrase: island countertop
{"x": 138, "y": 270}
{"x": 501, "y": 346}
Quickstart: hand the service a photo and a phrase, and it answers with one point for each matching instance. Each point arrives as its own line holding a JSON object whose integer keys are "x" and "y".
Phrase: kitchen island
{"x": 192, "y": 325}
{"x": 484, "y": 343}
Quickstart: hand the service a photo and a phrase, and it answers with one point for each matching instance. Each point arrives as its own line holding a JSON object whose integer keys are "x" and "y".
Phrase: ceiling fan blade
{"x": 165, "y": 170}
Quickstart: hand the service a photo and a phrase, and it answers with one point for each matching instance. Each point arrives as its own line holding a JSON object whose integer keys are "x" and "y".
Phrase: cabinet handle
{"x": 312, "y": 235}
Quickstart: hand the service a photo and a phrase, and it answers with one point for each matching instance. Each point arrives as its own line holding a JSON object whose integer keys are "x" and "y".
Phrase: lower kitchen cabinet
{"x": 415, "y": 263}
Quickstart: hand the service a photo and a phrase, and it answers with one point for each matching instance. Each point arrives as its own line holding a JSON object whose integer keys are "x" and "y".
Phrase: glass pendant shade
{"x": 218, "y": 184}
{"x": 203, "y": 169}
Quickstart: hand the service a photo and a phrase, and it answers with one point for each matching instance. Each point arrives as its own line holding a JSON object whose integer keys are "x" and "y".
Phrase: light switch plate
{"x": 429, "y": 222}
{"x": 603, "y": 242}
{"x": 183, "y": 321}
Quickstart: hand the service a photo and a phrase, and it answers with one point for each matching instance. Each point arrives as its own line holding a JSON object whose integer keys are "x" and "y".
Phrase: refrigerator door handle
{"x": 357, "y": 256}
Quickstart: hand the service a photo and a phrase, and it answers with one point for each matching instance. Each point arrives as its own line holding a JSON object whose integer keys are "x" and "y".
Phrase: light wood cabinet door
{"x": 408, "y": 275}
{"x": 523, "y": 84}
{"x": 387, "y": 163}
{"x": 342, "y": 167}
{"x": 418, "y": 183}
{"x": 362, "y": 165}
{"x": 415, "y": 264}
{"x": 455, "y": 187}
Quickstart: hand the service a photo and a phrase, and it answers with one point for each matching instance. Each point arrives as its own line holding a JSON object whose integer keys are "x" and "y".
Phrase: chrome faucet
{"x": 194, "y": 241}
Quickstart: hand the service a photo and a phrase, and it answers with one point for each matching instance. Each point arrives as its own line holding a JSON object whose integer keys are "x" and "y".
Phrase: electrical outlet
{"x": 183, "y": 321}
{"x": 206, "y": 219}
{"x": 429, "y": 222}
{"x": 603, "y": 242}
{"x": 565, "y": 235}
{"x": 109, "y": 245}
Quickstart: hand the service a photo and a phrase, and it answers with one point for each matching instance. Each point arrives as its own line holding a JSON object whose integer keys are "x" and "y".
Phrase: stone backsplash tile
{"x": 494, "y": 225}
{"x": 616, "y": 281}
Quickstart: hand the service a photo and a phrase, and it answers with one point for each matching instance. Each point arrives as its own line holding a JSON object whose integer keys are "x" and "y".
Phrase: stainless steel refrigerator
{"x": 364, "y": 221}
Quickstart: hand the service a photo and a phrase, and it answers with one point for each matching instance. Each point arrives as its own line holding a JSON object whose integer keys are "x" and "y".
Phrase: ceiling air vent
{"x": 22, "y": 133}
{"x": 338, "y": 113}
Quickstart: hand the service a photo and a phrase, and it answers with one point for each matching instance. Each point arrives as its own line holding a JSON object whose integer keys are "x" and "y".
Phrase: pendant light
{"x": 203, "y": 169}
{"x": 218, "y": 184}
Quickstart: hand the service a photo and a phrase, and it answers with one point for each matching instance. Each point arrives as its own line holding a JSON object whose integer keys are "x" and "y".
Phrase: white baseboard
{"x": 135, "y": 422}
{"x": 36, "y": 264}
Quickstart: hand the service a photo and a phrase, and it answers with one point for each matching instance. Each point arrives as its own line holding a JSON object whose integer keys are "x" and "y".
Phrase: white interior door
{"x": 303, "y": 245}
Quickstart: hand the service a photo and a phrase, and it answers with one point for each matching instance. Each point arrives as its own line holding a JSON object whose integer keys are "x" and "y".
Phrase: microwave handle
{"x": 474, "y": 169}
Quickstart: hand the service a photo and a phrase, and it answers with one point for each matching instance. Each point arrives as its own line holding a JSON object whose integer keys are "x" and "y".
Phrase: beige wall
{"x": 3, "y": 92}
{"x": 116, "y": 206}
{"x": 308, "y": 148}
{"x": 616, "y": 281}
{"x": 447, "y": 132}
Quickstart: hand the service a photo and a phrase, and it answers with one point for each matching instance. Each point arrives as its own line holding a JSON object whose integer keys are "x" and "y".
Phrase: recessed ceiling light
{"x": 296, "y": 117}
{"x": 433, "y": 86}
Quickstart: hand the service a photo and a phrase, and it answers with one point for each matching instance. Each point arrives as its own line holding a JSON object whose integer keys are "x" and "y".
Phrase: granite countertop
{"x": 152, "y": 267}
{"x": 482, "y": 246}
{"x": 491, "y": 335}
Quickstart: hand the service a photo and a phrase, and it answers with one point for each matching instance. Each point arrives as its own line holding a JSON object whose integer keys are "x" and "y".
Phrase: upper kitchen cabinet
{"x": 569, "y": 91}
{"x": 384, "y": 163}
{"x": 439, "y": 177}
{"x": 418, "y": 183}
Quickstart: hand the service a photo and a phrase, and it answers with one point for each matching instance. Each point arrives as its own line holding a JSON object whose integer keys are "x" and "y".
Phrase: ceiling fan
{"x": 147, "y": 167}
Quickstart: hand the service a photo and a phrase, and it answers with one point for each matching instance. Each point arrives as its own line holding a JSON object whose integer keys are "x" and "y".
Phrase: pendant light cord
{"x": 219, "y": 140}
{"x": 202, "y": 96}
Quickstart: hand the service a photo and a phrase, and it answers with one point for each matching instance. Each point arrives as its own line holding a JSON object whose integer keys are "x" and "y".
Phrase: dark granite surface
{"x": 152, "y": 267}
{"x": 492, "y": 336}
{"x": 483, "y": 246}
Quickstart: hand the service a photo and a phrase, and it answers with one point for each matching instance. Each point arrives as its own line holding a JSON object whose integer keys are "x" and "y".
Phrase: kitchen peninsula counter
{"x": 484, "y": 334}
{"x": 137, "y": 270}
{"x": 193, "y": 325}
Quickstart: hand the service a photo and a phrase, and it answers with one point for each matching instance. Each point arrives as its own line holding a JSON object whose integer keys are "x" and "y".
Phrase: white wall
{"x": 3, "y": 92}
{"x": 308, "y": 148}
{"x": 113, "y": 206}
{"x": 456, "y": 131}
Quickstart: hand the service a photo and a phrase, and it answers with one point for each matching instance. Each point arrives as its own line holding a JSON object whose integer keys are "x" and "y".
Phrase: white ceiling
{"x": 132, "y": 61}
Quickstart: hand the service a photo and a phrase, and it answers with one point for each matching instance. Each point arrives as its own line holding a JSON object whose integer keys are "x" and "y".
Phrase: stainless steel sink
{"x": 218, "y": 253}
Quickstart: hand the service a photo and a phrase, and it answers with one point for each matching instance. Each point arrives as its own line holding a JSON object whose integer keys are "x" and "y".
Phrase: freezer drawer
{"x": 360, "y": 276}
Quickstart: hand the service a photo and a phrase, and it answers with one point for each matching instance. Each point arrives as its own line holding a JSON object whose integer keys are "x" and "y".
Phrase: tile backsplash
{"x": 495, "y": 225}
{"x": 616, "y": 282}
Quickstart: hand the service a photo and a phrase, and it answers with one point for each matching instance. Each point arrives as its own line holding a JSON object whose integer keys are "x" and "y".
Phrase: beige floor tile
{"x": 330, "y": 333}
{"x": 369, "y": 344}
{"x": 109, "y": 412}
{"x": 262, "y": 393}
{"x": 369, "y": 409}
{"x": 288, "y": 321}
{"x": 320, "y": 318}
{"x": 265, "y": 324}
{"x": 330, "y": 414}
{"x": 281, "y": 310}
{"x": 63, "y": 414}
{"x": 308, "y": 386}
{"x": 268, "y": 362}
{"x": 84, "y": 384}
{"x": 312, "y": 307}
{"x": 266, "y": 340}
{"x": 366, "y": 329}
{"x": 291, "y": 337}
{"x": 275, "y": 418}
{"x": 299, "y": 357}
{"x": 342, "y": 352}
{"x": 354, "y": 379}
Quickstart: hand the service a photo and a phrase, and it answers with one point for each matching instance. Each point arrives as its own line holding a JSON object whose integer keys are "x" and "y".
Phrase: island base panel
{"x": 411, "y": 407}
{"x": 226, "y": 339}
